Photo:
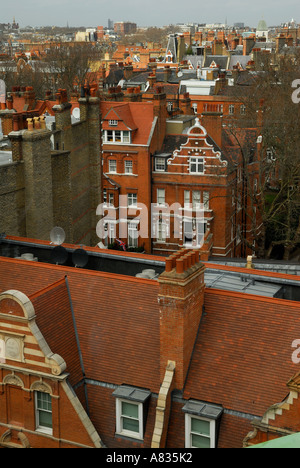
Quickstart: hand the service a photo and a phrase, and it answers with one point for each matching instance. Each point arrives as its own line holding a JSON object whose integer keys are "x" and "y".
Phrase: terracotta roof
{"x": 54, "y": 319}
{"x": 141, "y": 113}
{"x": 243, "y": 355}
{"x": 117, "y": 318}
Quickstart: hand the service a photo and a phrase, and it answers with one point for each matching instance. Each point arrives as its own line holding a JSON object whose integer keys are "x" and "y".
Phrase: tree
{"x": 272, "y": 176}
{"x": 69, "y": 66}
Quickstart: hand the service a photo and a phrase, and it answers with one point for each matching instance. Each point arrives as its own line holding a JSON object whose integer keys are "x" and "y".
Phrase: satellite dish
{"x": 179, "y": 74}
{"x": 76, "y": 113}
{"x": 57, "y": 236}
{"x": 59, "y": 255}
{"x": 80, "y": 258}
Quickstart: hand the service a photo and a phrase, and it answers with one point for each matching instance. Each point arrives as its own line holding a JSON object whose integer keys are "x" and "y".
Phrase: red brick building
{"x": 101, "y": 357}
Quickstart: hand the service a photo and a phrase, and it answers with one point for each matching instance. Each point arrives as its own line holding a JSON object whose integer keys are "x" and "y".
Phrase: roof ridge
{"x": 116, "y": 276}
{"x": 42, "y": 291}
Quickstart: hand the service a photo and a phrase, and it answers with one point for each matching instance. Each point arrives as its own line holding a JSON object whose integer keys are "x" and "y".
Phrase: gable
{"x": 20, "y": 338}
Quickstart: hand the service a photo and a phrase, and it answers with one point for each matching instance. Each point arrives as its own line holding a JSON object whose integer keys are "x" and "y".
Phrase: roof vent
{"x": 28, "y": 256}
{"x": 148, "y": 273}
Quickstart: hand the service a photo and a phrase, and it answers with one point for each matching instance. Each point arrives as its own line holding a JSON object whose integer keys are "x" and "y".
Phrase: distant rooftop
{"x": 231, "y": 276}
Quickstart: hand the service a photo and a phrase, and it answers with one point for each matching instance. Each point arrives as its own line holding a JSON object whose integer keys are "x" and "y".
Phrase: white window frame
{"x": 162, "y": 231}
{"x": 128, "y": 166}
{"x": 196, "y": 200}
{"x": 132, "y": 240}
{"x": 188, "y": 431}
{"x": 119, "y": 419}
{"x": 161, "y": 196}
{"x": 110, "y": 161}
{"x": 40, "y": 427}
{"x": 132, "y": 199}
{"x": 231, "y": 109}
{"x": 117, "y": 136}
{"x": 113, "y": 123}
{"x": 198, "y": 162}
{"x": 186, "y": 199}
{"x": 160, "y": 164}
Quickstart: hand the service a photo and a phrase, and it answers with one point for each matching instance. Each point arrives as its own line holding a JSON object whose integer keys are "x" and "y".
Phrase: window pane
{"x": 159, "y": 164}
{"x": 200, "y": 426}
{"x": 126, "y": 137}
{"x": 200, "y": 442}
{"x": 131, "y": 425}
{"x": 130, "y": 409}
{"x": 112, "y": 165}
{"x": 128, "y": 167}
{"x": 45, "y": 419}
{"x": 44, "y": 401}
{"x": 117, "y": 135}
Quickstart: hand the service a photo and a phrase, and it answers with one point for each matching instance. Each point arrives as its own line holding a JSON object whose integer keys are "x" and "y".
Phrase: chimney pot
{"x": 169, "y": 264}
{"x": 180, "y": 265}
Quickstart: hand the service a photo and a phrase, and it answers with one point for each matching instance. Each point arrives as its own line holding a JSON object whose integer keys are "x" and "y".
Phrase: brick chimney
{"x": 211, "y": 120}
{"x": 180, "y": 297}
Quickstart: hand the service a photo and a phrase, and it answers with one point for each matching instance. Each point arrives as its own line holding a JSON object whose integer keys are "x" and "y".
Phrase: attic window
{"x": 113, "y": 123}
{"x": 131, "y": 411}
{"x": 201, "y": 424}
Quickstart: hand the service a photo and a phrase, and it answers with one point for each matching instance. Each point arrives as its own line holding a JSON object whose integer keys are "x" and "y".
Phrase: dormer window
{"x": 202, "y": 422}
{"x": 117, "y": 136}
{"x": 113, "y": 123}
{"x": 131, "y": 411}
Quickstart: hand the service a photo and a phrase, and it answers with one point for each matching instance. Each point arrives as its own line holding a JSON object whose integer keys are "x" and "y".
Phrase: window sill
{"x": 45, "y": 430}
{"x": 128, "y": 437}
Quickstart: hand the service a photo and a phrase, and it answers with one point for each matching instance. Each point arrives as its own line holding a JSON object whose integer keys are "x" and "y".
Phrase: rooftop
{"x": 226, "y": 276}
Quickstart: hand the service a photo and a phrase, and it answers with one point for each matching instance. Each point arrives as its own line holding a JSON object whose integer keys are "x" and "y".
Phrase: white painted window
{"x": 199, "y": 432}
{"x": 116, "y": 136}
{"x": 196, "y": 200}
{"x": 129, "y": 418}
{"x": 132, "y": 235}
{"x": 113, "y": 123}
{"x": 196, "y": 165}
{"x": 161, "y": 196}
{"x": 160, "y": 165}
{"x": 128, "y": 166}
{"x": 162, "y": 231}
{"x": 132, "y": 199}
{"x": 112, "y": 165}
{"x": 231, "y": 109}
{"x": 43, "y": 412}
{"x": 187, "y": 199}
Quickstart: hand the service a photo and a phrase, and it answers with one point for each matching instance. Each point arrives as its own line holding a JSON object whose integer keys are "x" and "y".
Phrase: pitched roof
{"x": 115, "y": 317}
{"x": 137, "y": 115}
{"x": 239, "y": 355}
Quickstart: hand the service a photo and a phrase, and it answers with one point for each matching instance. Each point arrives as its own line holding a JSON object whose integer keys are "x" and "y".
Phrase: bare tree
{"x": 271, "y": 177}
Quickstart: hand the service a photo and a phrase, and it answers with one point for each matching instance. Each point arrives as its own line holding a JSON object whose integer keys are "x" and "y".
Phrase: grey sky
{"x": 147, "y": 13}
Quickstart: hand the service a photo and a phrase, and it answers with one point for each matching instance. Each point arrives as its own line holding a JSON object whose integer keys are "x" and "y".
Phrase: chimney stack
{"x": 181, "y": 296}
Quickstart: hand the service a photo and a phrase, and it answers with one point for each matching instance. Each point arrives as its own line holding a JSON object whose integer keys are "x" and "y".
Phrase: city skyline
{"x": 74, "y": 14}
